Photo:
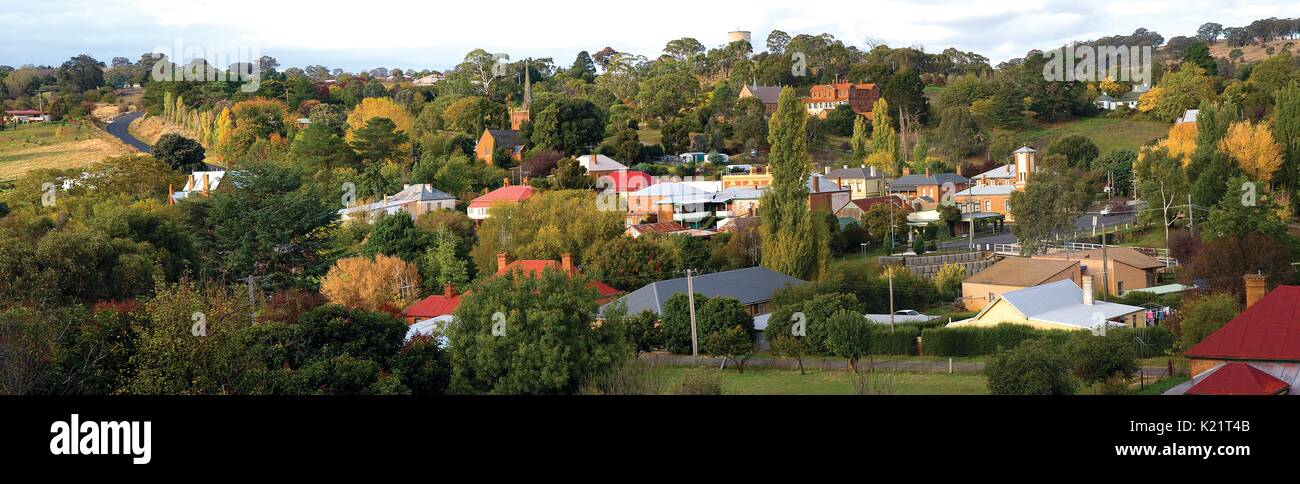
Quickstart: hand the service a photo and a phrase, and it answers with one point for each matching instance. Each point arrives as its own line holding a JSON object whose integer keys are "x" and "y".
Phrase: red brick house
{"x": 494, "y": 139}
{"x": 824, "y": 98}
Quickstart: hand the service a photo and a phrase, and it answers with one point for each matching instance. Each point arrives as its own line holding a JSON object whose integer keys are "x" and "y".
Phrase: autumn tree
{"x": 793, "y": 242}
{"x": 380, "y": 107}
{"x": 373, "y": 284}
{"x": 1253, "y": 148}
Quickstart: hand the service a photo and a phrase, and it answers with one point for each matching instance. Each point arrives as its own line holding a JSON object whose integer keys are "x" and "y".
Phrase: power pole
{"x": 891, "y": 301}
{"x": 1105, "y": 267}
{"x": 1191, "y": 217}
{"x": 690, "y": 297}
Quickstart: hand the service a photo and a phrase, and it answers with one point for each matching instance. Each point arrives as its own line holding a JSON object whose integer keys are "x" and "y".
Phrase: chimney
{"x": 205, "y": 183}
{"x": 814, "y": 182}
{"x": 927, "y": 172}
{"x": 448, "y": 290}
{"x": 907, "y": 171}
{"x": 502, "y": 261}
{"x": 566, "y": 262}
{"x": 1256, "y": 288}
{"x": 1087, "y": 290}
{"x": 171, "y": 197}
{"x": 828, "y": 169}
{"x": 505, "y": 182}
{"x": 846, "y": 167}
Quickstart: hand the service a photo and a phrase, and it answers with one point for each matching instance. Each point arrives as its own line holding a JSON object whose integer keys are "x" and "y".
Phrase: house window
{"x": 988, "y": 205}
{"x": 1006, "y": 206}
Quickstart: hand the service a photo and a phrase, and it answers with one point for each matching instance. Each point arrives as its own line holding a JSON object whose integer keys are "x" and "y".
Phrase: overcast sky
{"x": 436, "y": 34}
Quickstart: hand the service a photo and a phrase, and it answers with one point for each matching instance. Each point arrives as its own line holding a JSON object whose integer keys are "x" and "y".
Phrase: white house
{"x": 413, "y": 199}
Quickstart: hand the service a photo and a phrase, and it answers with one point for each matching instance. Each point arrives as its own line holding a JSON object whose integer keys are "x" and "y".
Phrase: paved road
{"x": 1083, "y": 223}
{"x": 118, "y": 126}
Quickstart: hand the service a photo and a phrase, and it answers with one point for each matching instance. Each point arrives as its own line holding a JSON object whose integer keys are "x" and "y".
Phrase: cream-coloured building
{"x": 1014, "y": 274}
{"x": 1061, "y": 305}
{"x": 866, "y": 182}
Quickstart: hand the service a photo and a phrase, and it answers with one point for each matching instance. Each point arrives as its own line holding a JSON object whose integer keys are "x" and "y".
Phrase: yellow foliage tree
{"x": 1149, "y": 100}
{"x": 1181, "y": 142}
{"x": 379, "y": 107}
{"x": 1254, "y": 149}
{"x": 364, "y": 283}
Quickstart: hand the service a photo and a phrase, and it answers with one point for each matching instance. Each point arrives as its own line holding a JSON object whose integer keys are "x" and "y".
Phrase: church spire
{"x": 528, "y": 85}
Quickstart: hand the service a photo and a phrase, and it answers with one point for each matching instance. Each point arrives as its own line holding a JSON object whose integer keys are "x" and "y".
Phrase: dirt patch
{"x": 106, "y": 112}
{"x": 1252, "y": 53}
{"x": 149, "y": 128}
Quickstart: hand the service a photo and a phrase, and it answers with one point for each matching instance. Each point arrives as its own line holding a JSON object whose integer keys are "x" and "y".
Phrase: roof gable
{"x": 1021, "y": 272}
{"x": 1239, "y": 379}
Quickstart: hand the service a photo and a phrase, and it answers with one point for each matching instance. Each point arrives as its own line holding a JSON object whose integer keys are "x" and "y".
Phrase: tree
{"x": 321, "y": 147}
{"x": 545, "y": 226}
{"x": 749, "y": 123}
{"x": 787, "y": 346}
{"x": 676, "y": 136}
{"x": 442, "y": 263}
{"x": 793, "y": 242}
{"x": 1118, "y": 164}
{"x": 1049, "y": 203}
{"x": 848, "y": 335}
{"x": 861, "y": 140}
{"x": 627, "y": 145}
{"x": 665, "y": 96}
{"x": 379, "y": 141}
{"x": 948, "y": 280}
{"x": 628, "y": 263}
{"x": 1199, "y": 54}
{"x": 1253, "y": 148}
{"x": 371, "y": 284}
{"x": 777, "y": 42}
{"x": 958, "y": 133}
{"x": 1161, "y": 181}
{"x": 1209, "y": 32}
{"x": 423, "y": 366}
{"x": 1204, "y": 316}
{"x": 82, "y": 73}
{"x": 584, "y": 69}
{"x": 471, "y": 115}
{"x": 1078, "y": 150}
{"x": 530, "y": 334}
{"x": 1034, "y": 367}
{"x": 1286, "y": 128}
{"x": 884, "y": 139}
{"x": 1099, "y": 359}
{"x": 733, "y": 343}
{"x": 642, "y": 332}
{"x": 684, "y": 48}
{"x": 1231, "y": 217}
{"x": 1179, "y": 91}
{"x": 841, "y": 120}
{"x": 570, "y": 126}
{"x": 182, "y": 154}
{"x": 380, "y": 107}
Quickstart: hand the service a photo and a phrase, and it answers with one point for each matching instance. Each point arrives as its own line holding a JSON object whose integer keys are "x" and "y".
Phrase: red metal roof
{"x": 629, "y": 181}
{"x": 535, "y": 267}
{"x": 512, "y": 193}
{"x": 1268, "y": 331}
{"x": 433, "y": 306}
{"x": 1239, "y": 379}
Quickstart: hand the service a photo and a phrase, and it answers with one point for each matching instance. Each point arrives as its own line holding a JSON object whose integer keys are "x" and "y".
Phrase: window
{"x": 988, "y": 205}
{"x": 1006, "y": 206}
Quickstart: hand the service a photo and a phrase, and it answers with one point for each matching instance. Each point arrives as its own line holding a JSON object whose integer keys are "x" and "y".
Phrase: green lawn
{"x": 1107, "y": 133}
{"x": 757, "y": 381}
{"x": 1161, "y": 386}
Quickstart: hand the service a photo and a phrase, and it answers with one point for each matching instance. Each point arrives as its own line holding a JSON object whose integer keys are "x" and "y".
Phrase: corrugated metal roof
{"x": 1239, "y": 379}
{"x": 750, "y": 285}
{"x": 1021, "y": 272}
{"x": 1269, "y": 330}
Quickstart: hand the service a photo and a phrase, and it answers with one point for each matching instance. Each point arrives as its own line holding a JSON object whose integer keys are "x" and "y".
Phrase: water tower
{"x": 744, "y": 35}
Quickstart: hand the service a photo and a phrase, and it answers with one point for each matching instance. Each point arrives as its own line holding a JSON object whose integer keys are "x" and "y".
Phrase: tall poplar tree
{"x": 793, "y": 242}
{"x": 1286, "y": 129}
{"x": 884, "y": 139}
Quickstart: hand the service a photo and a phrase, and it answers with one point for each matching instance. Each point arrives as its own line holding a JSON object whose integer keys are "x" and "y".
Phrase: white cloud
{"x": 407, "y": 33}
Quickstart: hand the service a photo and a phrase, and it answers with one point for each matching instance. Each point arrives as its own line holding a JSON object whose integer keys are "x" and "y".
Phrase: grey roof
{"x": 750, "y": 285}
{"x": 1061, "y": 302}
{"x": 1105, "y": 97}
{"x": 1026, "y": 149}
{"x": 1004, "y": 171}
{"x": 911, "y": 181}
{"x": 823, "y": 184}
{"x": 411, "y": 193}
{"x": 986, "y": 190}
{"x": 506, "y": 137}
{"x": 854, "y": 173}
{"x": 766, "y": 94}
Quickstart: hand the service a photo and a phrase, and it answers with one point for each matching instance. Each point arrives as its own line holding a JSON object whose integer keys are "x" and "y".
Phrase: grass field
{"x": 1107, "y": 133}
{"x": 817, "y": 382}
{"x": 58, "y": 146}
{"x": 1161, "y": 386}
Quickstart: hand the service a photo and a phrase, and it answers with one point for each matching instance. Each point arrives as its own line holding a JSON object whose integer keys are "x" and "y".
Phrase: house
{"x": 864, "y": 182}
{"x": 823, "y": 194}
{"x": 478, "y": 208}
{"x": 535, "y": 267}
{"x": 1060, "y": 305}
{"x": 428, "y": 80}
{"x": 768, "y": 95}
{"x": 625, "y": 181}
{"x": 926, "y": 185}
{"x": 199, "y": 183}
{"x": 654, "y": 228}
{"x": 600, "y": 165}
{"x": 646, "y": 201}
{"x": 1189, "y": 116}
{"x": 824, "y": 98}
{"x": 1125, "y": 268}
{"x": 1014, "y": 274}
{"x": 990, "y": 195}
{"x": 1108, "y": 102}
{"x": 1256, "y": 353}
{"x": 499, "y": 139}
{"x": 857, "y": 208}
{"x": 753, "y": 287}
{"x": 415, "y": 200}
{"x": 27, "y": 116}
{"x": 435, "y": 306}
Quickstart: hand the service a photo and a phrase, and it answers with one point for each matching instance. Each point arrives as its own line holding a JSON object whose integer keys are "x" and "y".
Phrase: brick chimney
{"x": 907, "y": 171}
{"x": 566, "y": 262}
{"x": 927, "y": 172}
{"x": 448, "y": 290}
{"x": 1087, "y": 290}
{"x": 1256, "y": 288}
{"x": 502, "y": 261}
{"x": 828, "y": 169}
{"x": 505, "y": 182}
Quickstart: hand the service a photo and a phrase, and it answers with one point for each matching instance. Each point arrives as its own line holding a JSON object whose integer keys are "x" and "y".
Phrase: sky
{"x": 355, "y": 35}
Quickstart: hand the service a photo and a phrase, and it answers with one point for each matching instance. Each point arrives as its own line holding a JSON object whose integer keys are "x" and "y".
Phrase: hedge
{"x": 980, "y": 341}
{"x": 900, "y": 341}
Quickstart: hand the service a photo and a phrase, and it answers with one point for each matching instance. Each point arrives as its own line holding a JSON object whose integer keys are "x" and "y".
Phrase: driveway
{"x": 118, "y": 128}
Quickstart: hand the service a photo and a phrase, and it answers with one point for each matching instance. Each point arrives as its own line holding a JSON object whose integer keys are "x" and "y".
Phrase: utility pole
{"x": 1105, "y": 267}
{"x": 891, "y": 300}
{"x": 1191, "y": 217}
{"x": 970, "y": 205}
{"x": 690, "y": 297}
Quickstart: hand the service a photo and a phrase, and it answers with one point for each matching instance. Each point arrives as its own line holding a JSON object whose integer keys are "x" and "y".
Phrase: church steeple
{"x": 519, "y": 116}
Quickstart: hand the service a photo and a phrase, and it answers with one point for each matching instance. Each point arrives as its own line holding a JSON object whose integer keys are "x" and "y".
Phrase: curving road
{"x": 118, "y": 128}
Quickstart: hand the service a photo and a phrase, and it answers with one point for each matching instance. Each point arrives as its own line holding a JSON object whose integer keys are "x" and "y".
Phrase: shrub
{"x": 900, "y": 341}
{"x": 980, "y": 341}
{"x": 1034, "y": 367}
{"x": 700, "y": 383}
{"x": 633, "y": 377}
{"x": 1206, "y": 315}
